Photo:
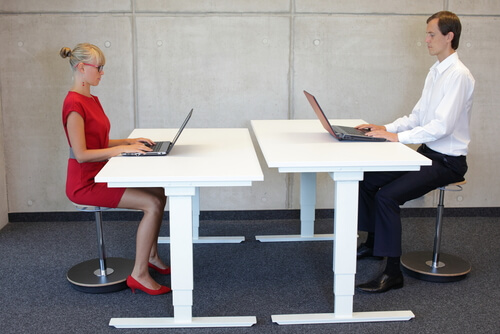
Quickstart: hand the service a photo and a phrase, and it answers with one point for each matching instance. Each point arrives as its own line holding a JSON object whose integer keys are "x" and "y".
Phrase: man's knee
{"x": 385, "y": 198}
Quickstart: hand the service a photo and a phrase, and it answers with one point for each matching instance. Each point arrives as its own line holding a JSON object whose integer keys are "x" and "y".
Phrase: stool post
{"x": 436, "y": 266}
{"x": 111, "y": 273}
{"x": 100, "y": 243}
{"x": 439, "y": 228}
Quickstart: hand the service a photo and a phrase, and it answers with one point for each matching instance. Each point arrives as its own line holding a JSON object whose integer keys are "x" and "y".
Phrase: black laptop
{"x": 338, "y": 131}
{"x": 162, "y": 147}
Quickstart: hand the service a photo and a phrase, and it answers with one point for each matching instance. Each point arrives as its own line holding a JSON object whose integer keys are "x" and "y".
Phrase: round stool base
{"x": 83, "y": 278}
{"x": 450, "y": 268}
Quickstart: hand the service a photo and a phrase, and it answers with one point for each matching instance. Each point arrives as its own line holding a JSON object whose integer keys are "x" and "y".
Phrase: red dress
{"x": 80, "y": 185}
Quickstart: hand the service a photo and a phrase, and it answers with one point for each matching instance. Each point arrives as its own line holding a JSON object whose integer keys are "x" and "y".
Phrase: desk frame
{"x": 181, "y": 203}
{"x": 307, "y": 215}
{"x": 230, "y": 163}
{"x": 196, "y": 227}
{"x": 345, "y": 223}
{"x": 302, "y": 146}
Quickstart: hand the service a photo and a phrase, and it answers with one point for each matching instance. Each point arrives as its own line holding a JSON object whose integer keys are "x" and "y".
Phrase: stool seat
{"x": 436, "y": 266}
{"x": 456, "y": 184}
{"x": 101, "y": 275}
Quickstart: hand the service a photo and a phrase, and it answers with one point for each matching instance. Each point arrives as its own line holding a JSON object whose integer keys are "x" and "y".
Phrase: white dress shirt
{"x": 441, "y": 118}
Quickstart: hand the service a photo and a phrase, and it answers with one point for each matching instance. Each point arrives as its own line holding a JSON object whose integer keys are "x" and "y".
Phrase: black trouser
{"x": 381, "y": 194}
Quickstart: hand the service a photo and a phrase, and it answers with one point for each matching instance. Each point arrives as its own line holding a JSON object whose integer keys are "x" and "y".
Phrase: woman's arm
{"x": 76, "y": 134}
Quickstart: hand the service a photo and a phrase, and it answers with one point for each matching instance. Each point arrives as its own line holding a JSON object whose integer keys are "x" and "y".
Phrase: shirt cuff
{"x": 404, "y": 137}
{"x": 390, "y": 128}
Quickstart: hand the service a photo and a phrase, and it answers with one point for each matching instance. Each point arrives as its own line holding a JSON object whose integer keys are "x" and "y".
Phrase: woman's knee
{"x": 144, "y": 200}
{"x": 157, "y": 203}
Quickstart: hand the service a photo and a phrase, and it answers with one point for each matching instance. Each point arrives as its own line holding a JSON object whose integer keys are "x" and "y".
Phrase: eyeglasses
{"x": 99, "y": 68}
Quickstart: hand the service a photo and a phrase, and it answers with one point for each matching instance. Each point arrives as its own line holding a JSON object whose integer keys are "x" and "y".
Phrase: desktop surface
{"x": 201, "y": 157}
{"x": 304, "y": 143}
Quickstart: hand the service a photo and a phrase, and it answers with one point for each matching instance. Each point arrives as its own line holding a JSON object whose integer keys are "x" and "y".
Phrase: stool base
{"x": 83, "y": 275}
{"x": 450, "y": 268}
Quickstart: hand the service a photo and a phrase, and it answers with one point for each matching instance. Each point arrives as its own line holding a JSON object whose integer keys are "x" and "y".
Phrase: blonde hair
{"x": 83, "y": 53}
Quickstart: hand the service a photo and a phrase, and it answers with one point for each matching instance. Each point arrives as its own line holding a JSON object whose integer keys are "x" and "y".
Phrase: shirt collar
{"x": 440, "y": 67}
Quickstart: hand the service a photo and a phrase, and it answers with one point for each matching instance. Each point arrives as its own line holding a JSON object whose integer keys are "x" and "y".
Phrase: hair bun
{"x": 65, "y": 52}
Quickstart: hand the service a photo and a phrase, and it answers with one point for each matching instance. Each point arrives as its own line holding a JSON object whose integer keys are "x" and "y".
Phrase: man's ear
{"x": 450, "y": 36}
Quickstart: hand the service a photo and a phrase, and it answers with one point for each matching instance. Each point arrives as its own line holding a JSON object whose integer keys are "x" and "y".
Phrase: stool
{"x": 436, "y": 266}
{"x": 100, "y": 275}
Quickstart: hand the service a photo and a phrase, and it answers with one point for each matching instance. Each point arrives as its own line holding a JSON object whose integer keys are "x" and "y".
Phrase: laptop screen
{"x": 182, "y": 127}
{"x": 321, "y": 115}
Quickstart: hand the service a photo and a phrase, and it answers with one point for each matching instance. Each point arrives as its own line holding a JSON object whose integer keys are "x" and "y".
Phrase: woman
{"x": 87, "y": 129}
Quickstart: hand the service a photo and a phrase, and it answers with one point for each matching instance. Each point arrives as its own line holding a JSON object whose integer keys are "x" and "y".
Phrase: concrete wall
{"x": 232, "y": 61}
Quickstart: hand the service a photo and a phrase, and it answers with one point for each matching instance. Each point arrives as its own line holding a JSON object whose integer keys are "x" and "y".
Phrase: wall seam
{"x": 134, "y": 66}
{"x": 3, "y": 176}
{"x": 291, "y": 87}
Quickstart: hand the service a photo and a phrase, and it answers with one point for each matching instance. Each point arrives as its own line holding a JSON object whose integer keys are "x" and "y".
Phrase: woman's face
{"x": 92, "y": 72}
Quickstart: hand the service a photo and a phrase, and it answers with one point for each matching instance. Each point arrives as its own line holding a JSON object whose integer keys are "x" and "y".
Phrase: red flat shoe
{"x": 133, "y": 285}
{"x": 165, "y": 271}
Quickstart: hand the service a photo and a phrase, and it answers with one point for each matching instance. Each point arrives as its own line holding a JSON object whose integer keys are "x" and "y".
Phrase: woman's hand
{"x": 130, "y": 145}
{"x": 137, "y": 145}
{"x": 144, "y": 141}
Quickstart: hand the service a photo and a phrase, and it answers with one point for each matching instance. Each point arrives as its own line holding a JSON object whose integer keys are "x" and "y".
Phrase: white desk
{"x": 201, "y": 158}
{"x": 303, "y": 146}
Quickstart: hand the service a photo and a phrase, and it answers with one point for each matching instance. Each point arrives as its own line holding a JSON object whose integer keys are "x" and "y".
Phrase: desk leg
{"x": 181, "y": 256}
{"x": 307, "y": 215}
{"x": 181, "y": 259}
{"x": 344, "y": 246}
{"x": 344, "y": 262}
{"x": 196, "y": 214}
{"x": 196, "y": 226}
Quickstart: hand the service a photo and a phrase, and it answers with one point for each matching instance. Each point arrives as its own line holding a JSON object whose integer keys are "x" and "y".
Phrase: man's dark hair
{"x": 448, "y": 22}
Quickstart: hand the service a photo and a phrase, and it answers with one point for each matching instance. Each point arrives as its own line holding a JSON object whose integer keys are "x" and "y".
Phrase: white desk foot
{"x": 330, "y": 318}
{"x": 208, "y": 240}
{"x": 294, "y": 237}
{"x": 172, "y": 323}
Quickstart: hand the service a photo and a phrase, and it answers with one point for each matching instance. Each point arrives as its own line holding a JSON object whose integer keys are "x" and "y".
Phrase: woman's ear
{"x": 79, "y": 67}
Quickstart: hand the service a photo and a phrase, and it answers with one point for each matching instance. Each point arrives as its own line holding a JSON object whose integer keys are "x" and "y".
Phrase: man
{"x": 440, "y": 122}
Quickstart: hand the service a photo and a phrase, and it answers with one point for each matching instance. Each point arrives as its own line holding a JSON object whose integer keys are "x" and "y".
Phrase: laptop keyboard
{"x": 157, "y": 146}
{"x": 352, "y": 131}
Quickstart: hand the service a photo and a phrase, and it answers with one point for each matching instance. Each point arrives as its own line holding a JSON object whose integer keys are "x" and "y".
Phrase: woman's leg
{"x": 154, "y": 258}
{"x": 152, "y": 203}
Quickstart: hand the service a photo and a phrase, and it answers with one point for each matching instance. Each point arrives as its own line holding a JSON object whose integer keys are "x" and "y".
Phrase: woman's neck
{"x": 82, "y": 88}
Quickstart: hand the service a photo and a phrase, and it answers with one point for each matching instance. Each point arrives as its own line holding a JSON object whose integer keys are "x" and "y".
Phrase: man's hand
{"x": 370, "y": 127}
{"x": 378, "y": 131}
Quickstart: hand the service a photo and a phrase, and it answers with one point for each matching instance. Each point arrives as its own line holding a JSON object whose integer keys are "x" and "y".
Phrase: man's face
{"x": 438, "y": 44}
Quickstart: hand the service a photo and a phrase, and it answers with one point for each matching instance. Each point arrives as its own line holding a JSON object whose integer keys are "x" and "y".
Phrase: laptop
{"x": 339, "y": 132}
{"x": 161, "y": 147}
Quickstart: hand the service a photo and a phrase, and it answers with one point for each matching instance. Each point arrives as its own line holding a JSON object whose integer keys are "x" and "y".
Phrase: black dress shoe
{"x": 364, "y": 251}
{"x": 382, "y": 283}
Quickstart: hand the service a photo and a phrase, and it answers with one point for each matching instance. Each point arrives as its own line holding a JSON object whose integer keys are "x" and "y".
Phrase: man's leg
{"x": 368, "y": 189}
{"x": 387, "y": 226}
{"x": 390, "y": 197}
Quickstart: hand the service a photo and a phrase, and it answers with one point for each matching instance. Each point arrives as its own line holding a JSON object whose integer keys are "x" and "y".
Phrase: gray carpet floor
{"x": 247, "y": 279}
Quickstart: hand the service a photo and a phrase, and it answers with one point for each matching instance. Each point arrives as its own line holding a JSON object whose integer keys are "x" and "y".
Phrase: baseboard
{"x": 116, "y": 215}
